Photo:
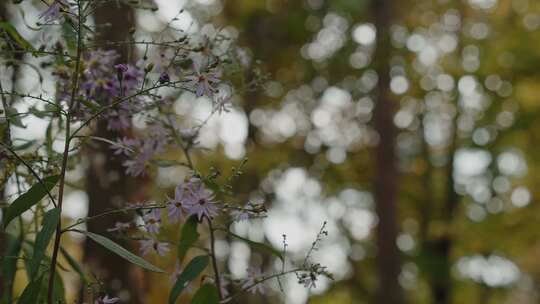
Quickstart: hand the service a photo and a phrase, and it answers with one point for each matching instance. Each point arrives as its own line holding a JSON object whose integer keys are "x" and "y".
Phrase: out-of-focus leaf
{"x": 70, "y": 35}
{"x": 188, "y": 237}
{"x": 259, "y": 246}
{"x": 121, "y": 251}
{"x": 14, "y": 34}
{"x": 31, "y": 292}
{"x": 192, "y": 270}
{"x": 30, "y": 198}
{"x": 73, "y": 264}
{"x": 207, "y": 294}
{"x": 50, "y": 220}
{"x": 14, "y": 118}
{"x": 167, "y": 163}
{"x": 9, "y": 266}
{"x": 58, "y": 290}
{"x": 23, "y": 146}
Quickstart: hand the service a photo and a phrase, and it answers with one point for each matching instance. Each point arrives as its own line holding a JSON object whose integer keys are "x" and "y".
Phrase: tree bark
{"x": 386, "y": 172}
{"x": 106, "y": 183}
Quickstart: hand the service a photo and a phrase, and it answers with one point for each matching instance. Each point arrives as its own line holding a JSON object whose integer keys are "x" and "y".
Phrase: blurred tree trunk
{"x": 107, "y": 185}
{"x": 386, "y": 172}
{"x": 442, "y": 285}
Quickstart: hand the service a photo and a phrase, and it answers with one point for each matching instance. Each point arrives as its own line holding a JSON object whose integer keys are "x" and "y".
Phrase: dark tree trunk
{"x": 106, "y": 183}
{"x": 386, "y": 172}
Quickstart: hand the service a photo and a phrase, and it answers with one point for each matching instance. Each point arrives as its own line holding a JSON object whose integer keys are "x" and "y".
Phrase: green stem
{"x": 76, "y": 73}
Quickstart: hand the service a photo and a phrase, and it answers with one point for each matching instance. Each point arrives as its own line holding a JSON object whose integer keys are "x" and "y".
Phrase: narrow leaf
{"x": 9, "y": 266}
{"x": 50, "y": 220}
{"x": 259, "y": 246}
{"x": 121, "y": 251}
{"x": 192, "y": 270}
{"x": 188, "y": 237}
{"x": 207, "y": 294}
{"x": 31, "y": 292}
{"x": 30, "y": 198}
{"x": 74, "y": 264}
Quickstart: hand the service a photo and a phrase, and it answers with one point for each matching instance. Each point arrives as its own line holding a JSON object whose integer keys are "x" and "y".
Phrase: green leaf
{"x": 207, "y": 294}
{"x": 31, "y": 292}
{"x": 14, "y": 34}
{"x": 188, "y": 237}
{"x": 58, "y": 289}
{"x": 192, "y": 270}
{"x": 14, "y": 118}
{"x": 30, "y": 198}
{"x": 9, "y": 266}
{"x": 258, "y": 246}
{"x": 50, "y": 220}
{"x": 74, "y": 264}
{"x": 121, "y": 251}
{"x": 25, "y": 145}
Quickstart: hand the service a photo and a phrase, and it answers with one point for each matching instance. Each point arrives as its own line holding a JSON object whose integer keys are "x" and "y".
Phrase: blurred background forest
{"x": 409, "y": 126}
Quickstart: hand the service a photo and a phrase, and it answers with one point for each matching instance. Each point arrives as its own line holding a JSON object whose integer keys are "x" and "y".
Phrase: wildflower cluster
{"x": 95, "y": 86}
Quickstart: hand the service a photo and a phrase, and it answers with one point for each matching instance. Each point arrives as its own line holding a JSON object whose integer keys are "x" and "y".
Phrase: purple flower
{"x": 204, "y": 83}
{"x": 124, "y": 146}
{"x": 252, "y": 283}
{"x": 161, "y": 248}
{"x": 137, "y": 166}
{"x": 152, "y": 220}
{"x": 200, "y": 203}
{"x": 53, "y": 12}
{"x": 106, "y": 300}
{"x": 146, "y": 149}
{"x": 118, "y": 120}
{"x": 121, "y": 68}
{"x": 175, "y": 207}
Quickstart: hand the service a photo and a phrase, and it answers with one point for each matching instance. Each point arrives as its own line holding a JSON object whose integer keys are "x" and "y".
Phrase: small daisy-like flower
{"x": 161, "y": 248}
{"x": 152, "y": 220}
{"x": 205, "y": 83}
{"x": 124, "y": 146}
{"x": 252, "y": 284}
{"x": 175, "y": 206}
{"x": 106, "y": 300}
{"x": 200, "y": 203}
